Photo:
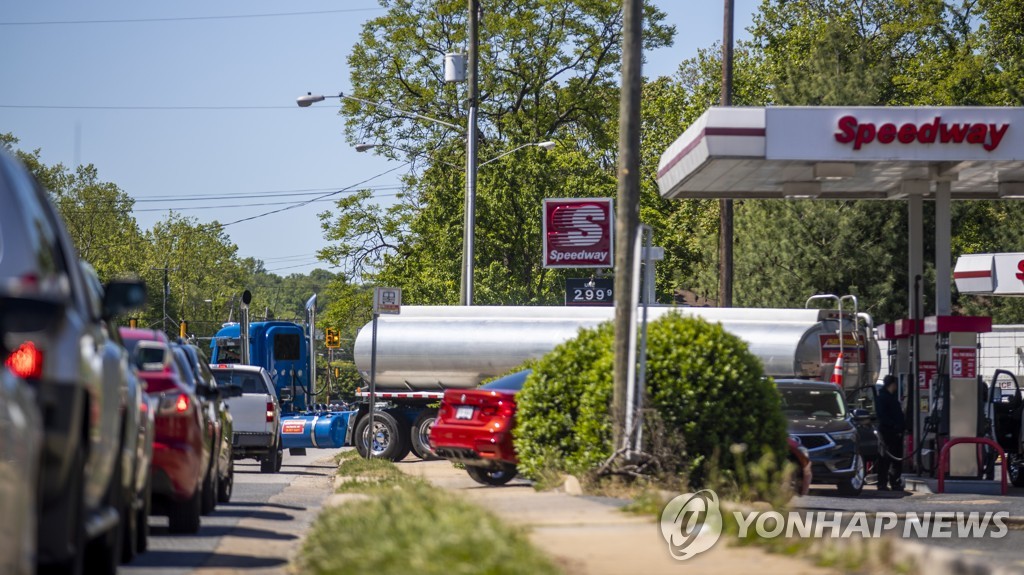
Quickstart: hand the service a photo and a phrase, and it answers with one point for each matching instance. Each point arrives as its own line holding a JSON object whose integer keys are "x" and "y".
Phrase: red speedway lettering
{"x": 987, "y": 135}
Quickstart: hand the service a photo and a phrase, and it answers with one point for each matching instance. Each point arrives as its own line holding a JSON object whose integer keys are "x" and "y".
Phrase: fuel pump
{"x": 958, "y": 395}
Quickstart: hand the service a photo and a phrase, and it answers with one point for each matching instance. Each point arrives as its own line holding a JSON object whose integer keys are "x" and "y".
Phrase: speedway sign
{"x": 578, "y": 233}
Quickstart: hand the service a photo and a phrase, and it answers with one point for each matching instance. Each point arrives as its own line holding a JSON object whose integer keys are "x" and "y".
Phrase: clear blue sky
{"x": 80, "y": 93}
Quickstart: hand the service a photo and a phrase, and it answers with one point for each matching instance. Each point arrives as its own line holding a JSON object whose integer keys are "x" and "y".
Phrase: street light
{"x": 469, "y": 224}
{"x": 546, "y": 146}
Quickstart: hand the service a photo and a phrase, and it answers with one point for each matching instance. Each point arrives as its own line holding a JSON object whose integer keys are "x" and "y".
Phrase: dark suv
{"x": 818, "y": 420}
{"x": 81, "y": 398}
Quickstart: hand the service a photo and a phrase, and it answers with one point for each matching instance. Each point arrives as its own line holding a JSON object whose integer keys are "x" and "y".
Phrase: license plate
{"x": 464, "y": 412}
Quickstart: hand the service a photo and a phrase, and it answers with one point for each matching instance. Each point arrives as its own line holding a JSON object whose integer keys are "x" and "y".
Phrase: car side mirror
{"x": 123, "y": 296}
{"x": 861, "y": 415}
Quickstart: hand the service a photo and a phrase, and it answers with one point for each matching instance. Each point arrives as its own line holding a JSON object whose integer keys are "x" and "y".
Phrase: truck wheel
{"x": 492, "y": 477}
{"x": 210, "y": 487}
{"x": 227, "y": 484}
{"x": 103, "y": 554}
{"x": 74, "y": 518}
{"x": 420, "y": 435}
{"x": 130, "y": 530}
{"x": 386, "y": 440}
{"x": 143, "y": 519}
{"x": 271, "y": 462}
{"x": 184, "y": 517}
{"x": 855, "y": 483}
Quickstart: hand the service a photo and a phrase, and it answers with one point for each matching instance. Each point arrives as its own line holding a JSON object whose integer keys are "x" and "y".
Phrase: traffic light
{"x": 182, "y": 328}
{"x": 331, "y": 338}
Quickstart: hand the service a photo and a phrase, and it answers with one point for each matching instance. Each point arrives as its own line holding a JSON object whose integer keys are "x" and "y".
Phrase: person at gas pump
{"x": 891, "y": 425}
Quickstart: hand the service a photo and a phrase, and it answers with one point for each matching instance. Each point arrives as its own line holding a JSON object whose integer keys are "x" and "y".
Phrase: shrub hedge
{"x": 706, "y": 390}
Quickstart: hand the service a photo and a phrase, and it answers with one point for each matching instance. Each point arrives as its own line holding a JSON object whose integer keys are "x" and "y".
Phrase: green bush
{"x": 706, "y": 397}
{"x": 561, "y": 412}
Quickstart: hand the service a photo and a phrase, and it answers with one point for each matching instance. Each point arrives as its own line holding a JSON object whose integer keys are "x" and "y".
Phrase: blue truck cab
{"x": 281, "y": 348}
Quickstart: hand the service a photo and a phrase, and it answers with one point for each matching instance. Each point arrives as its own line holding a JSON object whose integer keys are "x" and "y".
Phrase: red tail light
{"x": 181, "y": 406}
{"x": 270, "y": 411}
{"x": 26, "y": 361}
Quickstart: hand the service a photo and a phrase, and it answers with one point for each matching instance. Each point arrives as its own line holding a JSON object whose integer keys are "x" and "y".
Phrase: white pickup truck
{"x": 256, "y": 413}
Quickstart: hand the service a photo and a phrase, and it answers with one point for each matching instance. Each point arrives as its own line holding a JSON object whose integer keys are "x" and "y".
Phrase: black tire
{"x": 280, "y": 459}
{"x": 130, "y": 518}
{"x": 493, "y": 477}
{"x": 210, "y": 487}
{"x": 1014, "y": 471}
{"x": 183, "y": 517}
{"x": 853, "y": 485}
{"x": 75, "y": 519}
{"x": 388, "y": 442}
{"x": 103, "y": 554}
{"x": 227, "y": 484}
{"x": 142, "y": 541}
{"x": 271, "y": 462}
{"x": 419, "y": 435}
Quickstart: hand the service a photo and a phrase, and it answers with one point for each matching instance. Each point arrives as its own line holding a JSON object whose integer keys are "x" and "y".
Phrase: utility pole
{"x": 167, "y": 288}
{"x": 627, "y": 209}
{"x": 725, "y": 227}
{"x": 468, "y": 233}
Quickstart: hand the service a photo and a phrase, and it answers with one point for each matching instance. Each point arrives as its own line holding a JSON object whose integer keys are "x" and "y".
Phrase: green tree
{"x": 548, "y": 71}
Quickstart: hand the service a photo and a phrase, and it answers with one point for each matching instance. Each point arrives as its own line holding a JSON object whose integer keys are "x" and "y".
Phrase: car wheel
{"x": 419, "y": 435}
{"x": 103, "y": 554}
{"x": 74, "y": 518}
{"x": 130, "y": 530}
{"x": 493, "y": 477}
{"x": 210, "y": 487}
{"x": 854, "y": 484}
{"x": 271, "y": 462}
{"x": 1014, "y": 471}
{"x": 386, "y": 441}
{"x": 227, "y": 484}
{"x": 184, "y": 517}
{"x": 142, "y": 541}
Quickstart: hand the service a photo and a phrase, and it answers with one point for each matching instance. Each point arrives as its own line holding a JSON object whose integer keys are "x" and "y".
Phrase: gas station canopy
{"x": 847, "y": 153}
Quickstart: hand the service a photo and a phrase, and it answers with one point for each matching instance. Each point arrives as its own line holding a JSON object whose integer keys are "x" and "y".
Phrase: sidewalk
{"x": 591, "y": 536}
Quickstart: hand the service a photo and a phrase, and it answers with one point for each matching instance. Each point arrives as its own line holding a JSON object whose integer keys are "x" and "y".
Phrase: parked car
{"x": 82, "y": 406}
{"x": 819, "y": 421}
{"x": 257, "y": 413}
{"x": 137, "y": 443}
{"x": 221, "y": 476}
{"x": 182, "y": 441}
{"x": 474, "y": 427}
{"x": 21, "y": 440}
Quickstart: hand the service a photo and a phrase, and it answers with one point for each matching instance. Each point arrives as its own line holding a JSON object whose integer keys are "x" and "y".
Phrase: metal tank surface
{"x": 431, "y": 348}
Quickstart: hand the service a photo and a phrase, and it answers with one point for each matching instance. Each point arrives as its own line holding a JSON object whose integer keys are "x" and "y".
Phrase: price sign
{"x": 597, "y": 291}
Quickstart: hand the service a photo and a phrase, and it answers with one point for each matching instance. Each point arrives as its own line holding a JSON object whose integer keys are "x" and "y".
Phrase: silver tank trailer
{"x": 432, "y": 348}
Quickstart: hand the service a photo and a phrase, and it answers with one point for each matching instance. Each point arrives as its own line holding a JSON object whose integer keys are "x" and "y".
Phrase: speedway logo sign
{"x": 578, "y": 233}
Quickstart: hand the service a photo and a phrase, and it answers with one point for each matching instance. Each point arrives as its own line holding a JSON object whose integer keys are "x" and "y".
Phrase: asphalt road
{"x": 256, "y": 533}
{"x": 1004, "y": 552}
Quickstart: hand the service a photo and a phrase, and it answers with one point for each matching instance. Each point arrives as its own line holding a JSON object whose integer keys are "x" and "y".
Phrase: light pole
{"x": 466, "y": 290}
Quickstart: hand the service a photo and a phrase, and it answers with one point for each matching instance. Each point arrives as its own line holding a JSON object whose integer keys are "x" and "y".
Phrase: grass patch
{"x": 409, "y": 526}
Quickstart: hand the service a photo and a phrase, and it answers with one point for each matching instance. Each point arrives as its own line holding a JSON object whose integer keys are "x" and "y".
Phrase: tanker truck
{"x": 428, "y": 349}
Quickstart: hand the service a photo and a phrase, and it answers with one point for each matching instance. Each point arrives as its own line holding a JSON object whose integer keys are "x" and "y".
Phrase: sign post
{"x": 389, "y": 301}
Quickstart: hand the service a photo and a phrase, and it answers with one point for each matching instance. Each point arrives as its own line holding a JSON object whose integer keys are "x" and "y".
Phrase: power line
{"x": 45, "y": 107}
{"x": 188, "y": 18}
{"x": 247, "y": 195}
{"x": 298, "y": 205}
